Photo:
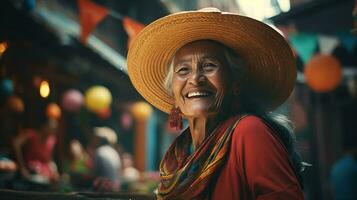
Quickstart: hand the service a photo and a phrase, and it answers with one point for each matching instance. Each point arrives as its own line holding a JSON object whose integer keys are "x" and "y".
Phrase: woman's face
{"x": 201, "y": 81}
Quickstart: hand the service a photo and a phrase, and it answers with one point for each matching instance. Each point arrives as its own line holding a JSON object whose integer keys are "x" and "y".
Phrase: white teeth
{"x": 195, "y": 94}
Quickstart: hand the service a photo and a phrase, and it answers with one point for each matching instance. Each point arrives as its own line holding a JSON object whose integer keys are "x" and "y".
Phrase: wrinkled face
{"x": 201, "y": 81}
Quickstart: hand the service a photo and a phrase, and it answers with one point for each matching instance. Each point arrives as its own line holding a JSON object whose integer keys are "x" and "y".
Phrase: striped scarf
{"x": 189, "y": 176}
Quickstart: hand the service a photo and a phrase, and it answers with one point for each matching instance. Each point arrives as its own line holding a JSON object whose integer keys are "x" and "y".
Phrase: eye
{"x": 209, "y": 66}
{"x": 182, "y": 70}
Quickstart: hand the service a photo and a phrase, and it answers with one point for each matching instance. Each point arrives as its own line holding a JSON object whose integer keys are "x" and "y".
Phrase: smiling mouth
{"x": 198, "y": 94}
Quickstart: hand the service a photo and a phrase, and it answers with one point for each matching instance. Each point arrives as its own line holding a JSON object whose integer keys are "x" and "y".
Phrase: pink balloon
{"x": 72, "y": 100}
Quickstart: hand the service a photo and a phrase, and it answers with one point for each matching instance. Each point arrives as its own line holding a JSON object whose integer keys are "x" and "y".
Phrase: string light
{"x": 45, "y": 89}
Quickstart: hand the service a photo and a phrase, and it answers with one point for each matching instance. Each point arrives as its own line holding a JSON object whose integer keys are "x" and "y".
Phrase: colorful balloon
{"x": 323, "y": 73}
{"x": 72, "y": 100}
{"x": 53, "y": 111}
{"x": 141, "y": 110}
{"x": 98, "y": 98}
{"x": 126, "y": 120}
{"x": 6, "y": 87}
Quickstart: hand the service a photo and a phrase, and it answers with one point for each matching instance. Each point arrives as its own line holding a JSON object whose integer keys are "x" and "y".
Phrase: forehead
{"x": 201, "y": 48}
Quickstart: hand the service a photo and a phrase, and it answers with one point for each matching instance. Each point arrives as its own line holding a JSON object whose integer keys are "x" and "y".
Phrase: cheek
{"x": 177, "y": 86}
{"x": 221, "y": 82}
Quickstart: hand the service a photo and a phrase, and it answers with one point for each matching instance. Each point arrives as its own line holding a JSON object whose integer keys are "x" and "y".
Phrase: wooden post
{"x": 141, "y": 111}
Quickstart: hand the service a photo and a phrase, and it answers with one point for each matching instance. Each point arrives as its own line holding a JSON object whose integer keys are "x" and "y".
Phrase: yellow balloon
{"x": 141, "y": 110}
{"x": 98, "y": 98}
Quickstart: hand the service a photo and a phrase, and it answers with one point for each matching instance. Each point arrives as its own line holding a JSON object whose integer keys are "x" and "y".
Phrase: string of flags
{"x": 322, "y": 70}
{"x": 305, "y": 44}
{"x": 91, "y": 14}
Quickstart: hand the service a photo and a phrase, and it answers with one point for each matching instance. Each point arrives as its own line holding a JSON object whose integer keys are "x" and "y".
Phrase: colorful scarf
{"x": 189, "y": 176}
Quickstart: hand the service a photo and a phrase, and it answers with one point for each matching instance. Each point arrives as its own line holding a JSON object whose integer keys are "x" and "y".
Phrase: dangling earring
{"x": 175, "y": 118}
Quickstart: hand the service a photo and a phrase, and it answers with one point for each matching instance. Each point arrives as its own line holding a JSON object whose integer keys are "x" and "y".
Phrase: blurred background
{"x": 69, "y": 114}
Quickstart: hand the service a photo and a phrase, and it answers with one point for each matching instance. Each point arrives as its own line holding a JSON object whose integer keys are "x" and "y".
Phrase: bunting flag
{"x": 327, "y": 44}
{"x": 305, "y": 45}
{"x": 90, "y": 15}
{"x": 347, "y": 39}
{"x": 132, "y": 28}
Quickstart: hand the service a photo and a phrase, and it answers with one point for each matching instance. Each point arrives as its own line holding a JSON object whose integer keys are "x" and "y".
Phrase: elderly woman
{"x": 224, "y": 73}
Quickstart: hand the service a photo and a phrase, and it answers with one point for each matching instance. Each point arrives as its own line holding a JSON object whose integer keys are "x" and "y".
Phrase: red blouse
{"x": 258, "y": 166}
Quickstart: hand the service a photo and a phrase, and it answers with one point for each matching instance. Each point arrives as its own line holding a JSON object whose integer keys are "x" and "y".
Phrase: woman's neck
{"x": 200, "y": 128}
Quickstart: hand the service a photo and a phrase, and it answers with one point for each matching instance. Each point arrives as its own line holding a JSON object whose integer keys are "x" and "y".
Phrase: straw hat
{"x": 271, "y": 70}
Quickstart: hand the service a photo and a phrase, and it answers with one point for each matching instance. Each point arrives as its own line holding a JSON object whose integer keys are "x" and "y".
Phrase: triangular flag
{"x": 347, "y": 40}
{"x": 327, "y": 44}
{"x": 132, "y": 28}
{"x": 305, "y": 45}
{"x": 90, "y": 15}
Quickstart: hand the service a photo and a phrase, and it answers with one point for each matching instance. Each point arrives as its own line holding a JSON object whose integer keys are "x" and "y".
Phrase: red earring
{"x": 175, "y": 118}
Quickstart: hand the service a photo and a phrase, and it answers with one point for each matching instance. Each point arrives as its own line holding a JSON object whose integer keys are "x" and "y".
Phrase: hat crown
{"x": 210, "y": 9}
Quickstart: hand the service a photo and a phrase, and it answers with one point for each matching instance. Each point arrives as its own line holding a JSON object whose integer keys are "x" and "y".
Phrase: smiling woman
{"x": 219, "y": 71}
{"x": 201, "y": 84}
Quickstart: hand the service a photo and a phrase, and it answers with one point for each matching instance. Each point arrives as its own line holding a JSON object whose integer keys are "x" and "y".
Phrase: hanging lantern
{"x": 53, "y": 111}
{"x": 98, "y": 98}
{"x": 323, "y": 73}
{"x": 72, "y": 100}
{"x": 16, "y": 104}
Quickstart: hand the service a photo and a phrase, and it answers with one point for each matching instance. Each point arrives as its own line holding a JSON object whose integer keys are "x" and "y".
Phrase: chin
{"x": 201, "y": 112}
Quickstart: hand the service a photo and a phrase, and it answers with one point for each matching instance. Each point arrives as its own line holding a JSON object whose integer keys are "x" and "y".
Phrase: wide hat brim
{"x": 270, "y": 74}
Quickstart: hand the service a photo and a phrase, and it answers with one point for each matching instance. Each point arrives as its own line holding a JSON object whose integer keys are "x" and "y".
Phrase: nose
{"x": 196, "y": 77}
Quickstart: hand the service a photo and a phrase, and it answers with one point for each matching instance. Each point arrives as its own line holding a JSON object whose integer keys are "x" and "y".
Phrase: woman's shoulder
{"x": 253, "y": 138}
{"x": 253, "y": 127}
{"x": 251, "y": 122}
{"x": 253, "y": 131}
